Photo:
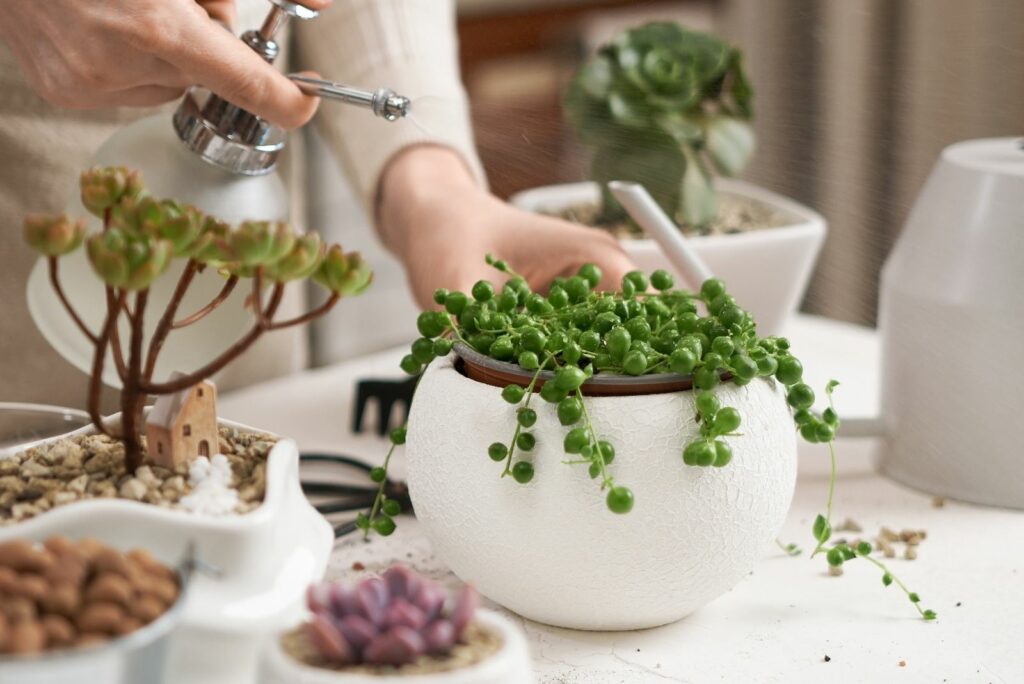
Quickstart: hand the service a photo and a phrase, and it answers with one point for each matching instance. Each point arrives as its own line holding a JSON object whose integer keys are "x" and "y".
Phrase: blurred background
{"x": 854, "y": 100}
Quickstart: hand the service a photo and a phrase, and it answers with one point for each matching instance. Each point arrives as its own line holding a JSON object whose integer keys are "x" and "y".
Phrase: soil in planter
{"x": 70, "y": 594}
{"x": 478, "y": 644}
{"x": 92, "y": 467}
{"x": 736, "y": 214}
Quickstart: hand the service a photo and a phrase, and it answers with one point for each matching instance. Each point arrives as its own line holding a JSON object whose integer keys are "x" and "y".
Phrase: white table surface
{"x": 780, "y": 623}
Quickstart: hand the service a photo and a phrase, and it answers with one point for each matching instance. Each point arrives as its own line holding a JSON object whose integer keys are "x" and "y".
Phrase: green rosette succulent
{"x": 128, "y": 261}
{"x": 664, "y": 106}
{"x": 213, "y": 246}
{"x": 343, "y": 273}
{"x": 261, "y": 243}
{"x": 54, "y": 236}
{"x": 104, "y": 187}
{"x": 301, "y": 261}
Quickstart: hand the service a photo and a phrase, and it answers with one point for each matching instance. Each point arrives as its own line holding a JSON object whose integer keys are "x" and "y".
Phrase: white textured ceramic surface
{"x": 551, "y": 550}
{"x": 766, "y": 270}
{"x": 951, "y": 318}
{"x": 169, "y": 170}
{"x": 268, "y": 557}
{"x": 510, "y": 665}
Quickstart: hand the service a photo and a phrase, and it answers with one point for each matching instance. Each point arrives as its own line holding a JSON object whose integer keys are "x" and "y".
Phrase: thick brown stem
{"x": 99, "y": 360}
{"x": 229, "y": 355}
{"x": 163, "y": 328}
{"x": 55, "y": 281}
{"x": 306, "y": 318}
{"x": 115, "y": 340}
{"x": 132, "y": 398}
{"x": 225, "y": 292}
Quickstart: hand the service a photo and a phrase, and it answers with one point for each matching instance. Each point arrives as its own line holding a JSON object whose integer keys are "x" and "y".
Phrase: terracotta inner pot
{"x": 476, "y": 366}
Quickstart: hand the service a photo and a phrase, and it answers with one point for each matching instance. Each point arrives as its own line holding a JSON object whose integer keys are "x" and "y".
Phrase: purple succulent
{"x": 391, "y": 620}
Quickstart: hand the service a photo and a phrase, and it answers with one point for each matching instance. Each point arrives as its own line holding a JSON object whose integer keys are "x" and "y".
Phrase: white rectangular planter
{"x": 766, "y": 270}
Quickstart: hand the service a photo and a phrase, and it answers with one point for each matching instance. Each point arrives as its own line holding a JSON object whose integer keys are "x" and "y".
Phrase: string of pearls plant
{"x": 647, "y": 327}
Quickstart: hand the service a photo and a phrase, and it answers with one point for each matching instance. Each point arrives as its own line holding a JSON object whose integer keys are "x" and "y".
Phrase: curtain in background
{"x": 856, "y": 99}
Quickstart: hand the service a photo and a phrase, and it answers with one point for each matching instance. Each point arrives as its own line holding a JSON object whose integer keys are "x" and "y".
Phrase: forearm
{"x": 407, "y": 45}
{"x": 419, "y": 183}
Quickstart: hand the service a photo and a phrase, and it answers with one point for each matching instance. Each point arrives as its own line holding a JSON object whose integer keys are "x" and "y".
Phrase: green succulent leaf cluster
{"x": 664, "y": 106}
{"x": 54, "y": 236}
{"x": 142, "y": 235}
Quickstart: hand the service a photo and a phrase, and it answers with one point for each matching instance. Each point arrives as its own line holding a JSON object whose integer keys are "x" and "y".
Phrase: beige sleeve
{"x": 409, "y": 46}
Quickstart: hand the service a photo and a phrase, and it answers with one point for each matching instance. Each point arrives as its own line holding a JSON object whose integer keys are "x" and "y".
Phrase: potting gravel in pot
{"x": 399, "y": 627}
{"x": 605, "y": 460}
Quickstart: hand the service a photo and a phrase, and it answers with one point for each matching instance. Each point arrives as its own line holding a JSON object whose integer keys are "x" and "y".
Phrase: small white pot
{"x": 510, "y": 665}
{"x": 766, "y": 270}
{"x": 550, "y": 550}
{"x": 267, "y": 558}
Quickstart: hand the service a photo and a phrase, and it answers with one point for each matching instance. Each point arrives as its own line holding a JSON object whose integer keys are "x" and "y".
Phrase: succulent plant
{"x": 103, "y": 188}
{"x": 54, "y": 235}
{"x": 128, "y": 261}
{"x": 140, "y": 238}
{"x": 390, "y": 620}
{"x": 662, "y": 106}
{"x": 343, "y": 273}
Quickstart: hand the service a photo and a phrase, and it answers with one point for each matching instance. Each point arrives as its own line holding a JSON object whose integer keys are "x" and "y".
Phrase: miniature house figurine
{"x": 183, "y": 425}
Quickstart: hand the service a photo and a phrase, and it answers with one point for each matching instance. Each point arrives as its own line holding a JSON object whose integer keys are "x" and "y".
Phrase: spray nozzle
{"x": 241, "y": 142}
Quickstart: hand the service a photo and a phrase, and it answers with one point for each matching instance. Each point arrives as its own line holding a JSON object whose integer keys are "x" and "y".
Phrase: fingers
{"x": 222, "y": 11}
{"x": 216, "y": 59}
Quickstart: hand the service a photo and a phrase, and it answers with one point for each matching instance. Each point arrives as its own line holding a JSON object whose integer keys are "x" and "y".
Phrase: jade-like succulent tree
{"x": 140, "y": 238}
{"x": 664, "y": 106}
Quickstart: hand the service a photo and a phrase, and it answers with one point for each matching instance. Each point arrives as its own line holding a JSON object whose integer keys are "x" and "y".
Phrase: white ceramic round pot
{"x": 768, "y": 270}
{"x": 510, "y": 665}
{"x": 550, "y": 550}
{"x": 267, "y": 558}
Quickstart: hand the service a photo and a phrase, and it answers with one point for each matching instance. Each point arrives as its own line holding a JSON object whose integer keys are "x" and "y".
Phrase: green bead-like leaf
{"x": 821, "y": 529}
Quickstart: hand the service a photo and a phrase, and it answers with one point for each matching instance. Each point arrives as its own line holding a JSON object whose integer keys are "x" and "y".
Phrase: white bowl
{"x": 767, "y": 270}
{"x": 138, "y": 657}
{"x": 550, "y": 550}
{"x": 510, "y": 665}
{"x": 267, "y": 559}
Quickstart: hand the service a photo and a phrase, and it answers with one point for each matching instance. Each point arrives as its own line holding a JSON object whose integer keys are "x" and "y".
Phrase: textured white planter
{"x": 267, "y": 558}
{"x": 510, "y": 665}
{"x": 550, "y": 550}
{"x": 766, "y": 270}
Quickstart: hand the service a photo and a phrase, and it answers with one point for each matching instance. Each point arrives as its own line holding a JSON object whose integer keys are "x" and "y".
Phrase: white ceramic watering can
{"x": 952, "y": 326}
{"x": 951, "y": 323}
{"x": 214, "y": 156}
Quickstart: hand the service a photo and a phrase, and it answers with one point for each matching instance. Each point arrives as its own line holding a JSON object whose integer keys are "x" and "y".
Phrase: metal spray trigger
{"x": 240, "y": 142}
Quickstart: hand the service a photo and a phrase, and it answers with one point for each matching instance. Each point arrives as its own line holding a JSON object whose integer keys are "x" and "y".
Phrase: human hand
{"x": 441, "y": 224}
{"x": 86, "y": 55}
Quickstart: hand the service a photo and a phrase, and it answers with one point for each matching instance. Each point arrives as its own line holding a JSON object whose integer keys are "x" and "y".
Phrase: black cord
{"x": 350, "y": 497}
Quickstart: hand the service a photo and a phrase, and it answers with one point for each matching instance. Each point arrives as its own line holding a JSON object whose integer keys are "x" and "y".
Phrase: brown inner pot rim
{"x": 480, "y": 368}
